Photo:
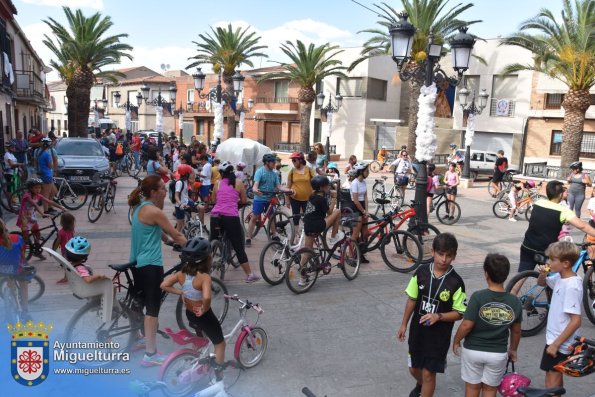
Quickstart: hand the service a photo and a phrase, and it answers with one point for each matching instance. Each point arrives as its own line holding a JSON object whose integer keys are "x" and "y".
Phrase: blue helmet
{"x": 269, "y": 157}
{"x": 332, "y": 165}
{"x": 77, "y": 249}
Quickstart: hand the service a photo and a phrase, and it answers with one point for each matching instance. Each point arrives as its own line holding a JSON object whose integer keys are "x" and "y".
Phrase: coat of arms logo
{"x": 29, "y": 352}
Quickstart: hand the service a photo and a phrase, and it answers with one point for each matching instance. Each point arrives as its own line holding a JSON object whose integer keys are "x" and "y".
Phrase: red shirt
{"x": 35, "y": 138}
{"x": 136, "y": 144}
{"x": 64, "y": 236}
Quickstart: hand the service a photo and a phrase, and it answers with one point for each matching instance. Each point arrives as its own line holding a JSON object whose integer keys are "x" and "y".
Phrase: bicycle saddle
{"x": 282, "y": 224}
{"x": 382, "y": 201}
{"x": 122, "y": 267}
{"x": 532, "y": 392}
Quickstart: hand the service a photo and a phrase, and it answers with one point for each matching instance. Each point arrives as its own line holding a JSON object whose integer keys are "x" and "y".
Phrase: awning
{"x": 549, "y": 85}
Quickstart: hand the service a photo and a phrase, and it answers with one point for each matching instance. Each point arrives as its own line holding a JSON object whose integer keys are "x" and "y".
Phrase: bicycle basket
{"x": 511, "y": 382}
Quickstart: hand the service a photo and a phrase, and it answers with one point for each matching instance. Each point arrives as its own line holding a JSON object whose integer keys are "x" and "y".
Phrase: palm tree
{"x": 428, "y": 16}
{"x": 82, "y": 49}
{"x": 309, "y": 65}
{"x": 563, "y": 50}
{"x": 227, "y": 49}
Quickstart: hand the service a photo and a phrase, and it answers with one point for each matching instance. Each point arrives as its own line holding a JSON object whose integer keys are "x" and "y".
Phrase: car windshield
{"x": 79, "y": 148}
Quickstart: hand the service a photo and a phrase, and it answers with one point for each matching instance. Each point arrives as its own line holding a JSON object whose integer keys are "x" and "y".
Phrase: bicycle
{"x": 275, "y": 257}
{"x": 103, "y": 197}
{"x": 222, "y": 253}
{"x": 274, "y": 214}
{"x": 10, "y": 291}
{"x": 184, "y": 368}
{"x": 536, "y": 299}
{"x": 376, "y": 166}
{"x": 35, "y": 248}
{"x": 502, "y": 208}
{"x": 379, "y": 194}
{"x": 71, "y": 195}
{"x": 505, "y": 184}
{"x": 307, "y": 263}
{"x": 193, "y": 227}
{"x": 10, "y": 197}
{"x": 125, "y": 324}
{"x": 445, "y": 208}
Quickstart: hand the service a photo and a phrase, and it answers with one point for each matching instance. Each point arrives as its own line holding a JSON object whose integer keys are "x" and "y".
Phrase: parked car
{"x": 152, "y": 135}
{"x": 80, "y": 158}
{"x": 482, "y": 163}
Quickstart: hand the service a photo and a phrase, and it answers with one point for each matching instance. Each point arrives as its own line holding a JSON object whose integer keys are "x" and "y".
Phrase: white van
{"x": 482, "y": 163}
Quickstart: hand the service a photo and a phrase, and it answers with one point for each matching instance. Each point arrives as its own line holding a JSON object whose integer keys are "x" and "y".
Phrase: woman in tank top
{"x": 578, "y": 182}
{"x": 228, "y": 193}
{"x": 451, "y": 179}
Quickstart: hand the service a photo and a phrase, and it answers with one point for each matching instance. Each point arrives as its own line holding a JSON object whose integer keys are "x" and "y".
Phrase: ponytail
{"x": 148, "y": 185}
{"x": 135, "y": 197}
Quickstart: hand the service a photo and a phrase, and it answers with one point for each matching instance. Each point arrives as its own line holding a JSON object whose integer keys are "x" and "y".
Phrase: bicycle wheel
{"x": 589, "y": 294}
{"x": 73, "y": 196}
{"x": 448, "y": 212}
{"x": 12, "y": 201}
{"x": 534, "y": 299}
{"x": 378, "y": 191}
{"x": 219, "y": 305}
{"x": 246, "y": 217}
{"x": 501, "y": 209}
{"x": 396, "y": 199}
{"x": 529, "y": 212}
{"x": 253, "y": 346}
{"x": 133, "y": 170}
{"x": 350, "y": 259}
{"x": 273, "y": 262}
{"x": 182, "y": 373}
{"x": 284, "y": 226}
{"x": 401, "y": 251}
{"x": 29, "y": 245}
{"x": 217, "y": 262}
{"x": 300, "y": 278}
{"x": 491, "y": 189}
{"x": 425, "y": 234}
{"x": 375, "y": 166}
{"x": 95, "y": 208}
{"x": 36, "y": 288}
{"x": 86, "y": 325}
{"x": 111, "y": 196}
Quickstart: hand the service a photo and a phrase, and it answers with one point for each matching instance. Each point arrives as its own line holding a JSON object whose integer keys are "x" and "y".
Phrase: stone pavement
{"x": 338, "y": 339}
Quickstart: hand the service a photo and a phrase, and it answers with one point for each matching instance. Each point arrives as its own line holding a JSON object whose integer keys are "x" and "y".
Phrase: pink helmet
{"x": 530, "y": 183}
{"x": 511, "y": 382}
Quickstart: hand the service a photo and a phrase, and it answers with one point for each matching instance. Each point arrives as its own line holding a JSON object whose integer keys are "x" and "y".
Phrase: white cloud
{"x": 175, "y": 56}
{"x": 95, "y": 4}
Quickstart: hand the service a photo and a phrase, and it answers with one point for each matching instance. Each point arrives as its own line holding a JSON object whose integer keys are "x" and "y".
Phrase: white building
{"x": 58, "y": 108}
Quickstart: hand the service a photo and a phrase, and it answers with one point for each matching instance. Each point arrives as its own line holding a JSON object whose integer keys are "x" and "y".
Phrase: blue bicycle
{"x": 536, "y": 299}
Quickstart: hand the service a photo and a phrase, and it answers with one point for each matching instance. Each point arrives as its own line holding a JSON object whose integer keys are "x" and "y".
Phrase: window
{"x": 52, "y": 124}
{"x": 281, "y": 88}
{"x": 377, "y": 89}
{"x": 113, "y": 100}
{"x": 59, "y": 126}
{"x": 349, "y": 87}
{"x": 187, "y": 130}
{"x": 553, "y": 101}
{"x": 201, "y": 128}
{"x": 472, "y": 84}
{"x": 491, "y": 158}
{"x": 503, "y": 96}
{"x": 587, "y": 145}
{"x": 592, "y": 99}
{"x": 477, "y": 157}
{"x": 65, "y": 125}
{"x": 190, "y": 96}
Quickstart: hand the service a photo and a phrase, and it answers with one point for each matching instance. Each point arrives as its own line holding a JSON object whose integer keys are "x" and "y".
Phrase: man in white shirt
{"x": 205, "y": 175}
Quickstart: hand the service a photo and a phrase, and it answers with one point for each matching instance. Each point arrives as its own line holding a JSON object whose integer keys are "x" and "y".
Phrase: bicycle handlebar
{"x": 582, "y": 339}
{"x": 307, "y": 392}
{"x": 246, "y": 303}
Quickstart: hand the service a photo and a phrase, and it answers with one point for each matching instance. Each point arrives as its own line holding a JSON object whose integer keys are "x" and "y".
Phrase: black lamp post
{"x": 471, "y": 109}
{"x": 218, "y": 95}
{"x": 179, "y": 112}
{"x": 159, "y": 102}
{"x": 402, "y": 33}
{"x": 128, "y": 106}
{"x": 326, "y": 110}
{"x": 98, "y": 104}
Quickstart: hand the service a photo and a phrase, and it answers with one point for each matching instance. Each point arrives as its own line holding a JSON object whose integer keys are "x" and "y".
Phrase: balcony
{"x": 197, "y": 107}
{"x": 29, "y": 87}
{"x": 279, "y": 105}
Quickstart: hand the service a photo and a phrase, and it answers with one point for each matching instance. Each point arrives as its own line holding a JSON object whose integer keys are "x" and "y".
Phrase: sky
{"x": 162, "y": 32}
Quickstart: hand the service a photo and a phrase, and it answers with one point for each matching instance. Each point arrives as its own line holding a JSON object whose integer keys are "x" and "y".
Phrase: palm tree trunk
{"x": 79, "y": 103}
{"x": 414, "y": 90}
{"x": 305, "y": 114}
{"x": 231, "y": 119}
{"x": 576, "y": 103}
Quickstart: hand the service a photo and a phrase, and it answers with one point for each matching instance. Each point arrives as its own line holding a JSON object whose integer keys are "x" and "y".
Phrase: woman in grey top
{"x": 578, "y": 182}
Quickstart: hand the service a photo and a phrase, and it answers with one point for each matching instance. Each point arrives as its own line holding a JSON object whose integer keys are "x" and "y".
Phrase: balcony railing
{"x": 197, "y": 107}
{"x": 276, "y": 100}
{"x": 29, "y": 84}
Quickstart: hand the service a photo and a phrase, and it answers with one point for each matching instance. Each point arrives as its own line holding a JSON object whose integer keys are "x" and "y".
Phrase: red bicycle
{"x": 274, "y": 215}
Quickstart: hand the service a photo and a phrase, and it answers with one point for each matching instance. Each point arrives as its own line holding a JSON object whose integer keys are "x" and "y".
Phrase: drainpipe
{"x": 524, "y": 143}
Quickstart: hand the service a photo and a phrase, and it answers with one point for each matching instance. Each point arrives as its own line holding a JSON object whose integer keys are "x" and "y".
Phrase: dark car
{"x": 81, "y": 158}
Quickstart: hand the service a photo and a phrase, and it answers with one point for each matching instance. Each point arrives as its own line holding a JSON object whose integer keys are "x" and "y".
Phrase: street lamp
{"x": 471, "y": 110}
{"x": 128, "y": 106}
{"x": 180, "y": 113}
{"x": 218, "y": 96}
{"x": 402, "y": 35}
{"x": 98, "y": 104}
{"x": 157, "y": 102}
{"x": 329, "y": 110}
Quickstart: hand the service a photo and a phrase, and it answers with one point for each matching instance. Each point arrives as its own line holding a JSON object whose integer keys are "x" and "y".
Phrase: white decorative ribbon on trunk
{"x": 180, "y": 121}
{"x": 128, "y": 120}
{"x": 240, "y": 129}
{"x": 158, "y": 119}
{"x": 470, "y": 130}
{"x": 218, "y": 111}
{"x": 426, "y": 138}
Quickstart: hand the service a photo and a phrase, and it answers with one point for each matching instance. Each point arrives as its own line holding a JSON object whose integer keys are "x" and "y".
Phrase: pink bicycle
{"x": 185, "y": 370}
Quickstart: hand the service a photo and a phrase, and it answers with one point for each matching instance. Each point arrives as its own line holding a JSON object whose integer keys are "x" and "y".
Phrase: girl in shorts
{"x": 359, "y": 197}
{"x": 196, "y": 293}
{"x": 320, "y": 214}
{"x": 451, "y": 179}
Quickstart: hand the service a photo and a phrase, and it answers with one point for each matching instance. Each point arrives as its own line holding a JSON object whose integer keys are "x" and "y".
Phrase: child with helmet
{"x": 240, "y": 174}
{"x": 77, "y": 252}
{"x": 196, "y": 291}
{"x": 181, "y": 194}
{"x": 359, "y": 197}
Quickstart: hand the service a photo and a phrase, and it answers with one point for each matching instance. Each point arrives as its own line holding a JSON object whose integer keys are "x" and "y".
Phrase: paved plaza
{"x": 339, "y": 338}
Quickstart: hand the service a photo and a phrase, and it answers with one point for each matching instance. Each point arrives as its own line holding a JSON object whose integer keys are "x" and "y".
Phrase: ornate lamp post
{"x": 218, "y": 96}
{"x": 179, "y": 112}
{"x": 329, "y": 110}
{"x": 402, "y": 33}
{"x": 128, "y": 106}
{"x": 158, "y": 103}
{"x": 98, "y": 104}
{"x": 470, "y": 110}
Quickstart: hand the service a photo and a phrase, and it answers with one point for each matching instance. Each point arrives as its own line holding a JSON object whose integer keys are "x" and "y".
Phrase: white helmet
{"x": 360, "y": 166}
{"x": 383, "y": 147}
{"x": 226, "y": 166}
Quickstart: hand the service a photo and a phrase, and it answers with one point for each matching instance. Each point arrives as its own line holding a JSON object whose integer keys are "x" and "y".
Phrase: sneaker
{"x": 512, "y": 220}
{"x": 51, "y": 211}
{"x": 63, "y": 280}
{"x": 252, "y": 278}
{"x": 363, "y": 259}
{"x": 248, "y": 242}
{"x": 416, "y": 392}
{"x": 303, "y": 282}
{"x": 451, "y": 217}
{"x": 340, "y": 236}
{"x": 446, "y": 216}
{"x": 154, "y": 360}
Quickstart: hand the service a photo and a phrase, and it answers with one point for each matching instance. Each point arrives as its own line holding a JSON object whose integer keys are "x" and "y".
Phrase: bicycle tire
{"x": 527, "y": 302}
{"x": 219, "y": 305}
{"x": 38, "y": 291}
{"x": 375, "y": 166}
{"x": 175, "y": 368}
{"x": 529, "y": 212}
{"x": 96, "y": 206}
{"x": 425, "y": 233}
{"x": 217, "y": 261}
{"x": 443, "y": 212}
{"x": 351, "y": 259}
{"x": 296, "y": 272}
{"x": 133, "y": 170}
{"x": 29, "y": 245}
{"x": 272, "y": 269}
{"x": 404, "y": 253}
{"x": 285, "y": 232}
{"x": 110, "y": 197}
{"x": 82, "y": 322}
{"x": 247, "y": 214}
{"x": 501, "y": 209}
{"x": 589, "y": 294}
{"x": 73, "y": 196}
{"x": 261, "y": 342}
{"x": 378, "y": 191}
{"x": 12, "y": 201}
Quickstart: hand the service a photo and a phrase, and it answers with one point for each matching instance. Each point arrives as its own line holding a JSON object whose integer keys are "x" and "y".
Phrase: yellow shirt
{"x": 381, "y": 155}
{"x": 301, "y": 183}
{"x": 215, "y": 174}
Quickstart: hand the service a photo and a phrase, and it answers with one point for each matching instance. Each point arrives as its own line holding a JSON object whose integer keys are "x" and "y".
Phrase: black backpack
{"x": 172, "y": 191}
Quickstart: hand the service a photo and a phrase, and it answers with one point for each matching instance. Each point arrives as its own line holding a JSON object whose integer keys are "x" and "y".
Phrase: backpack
{"x": 430, "y": 183}
{"x": 119, "y": 149}
{"x": 172, "y": 190}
